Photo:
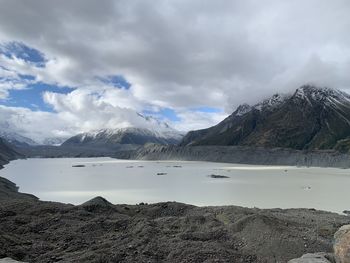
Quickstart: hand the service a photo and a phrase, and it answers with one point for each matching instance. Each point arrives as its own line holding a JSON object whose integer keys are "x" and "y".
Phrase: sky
{"x": 73, "y": 66}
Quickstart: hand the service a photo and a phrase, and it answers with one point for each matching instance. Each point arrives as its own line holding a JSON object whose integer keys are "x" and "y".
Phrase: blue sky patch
{"x": 22, "y": 51}
{"x": 164, "y": 113}
{"x": 26, "y": 77}
{"x": 31, "y": 97}
{"x": 116, "y": 81}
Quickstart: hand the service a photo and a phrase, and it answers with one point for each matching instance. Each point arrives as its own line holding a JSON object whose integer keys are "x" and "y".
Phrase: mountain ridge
{"x": 16, "y": 139}
{"x": 310, "y": 118}
{"x": 128, "y": 135}
{"x": 7, "y": 153}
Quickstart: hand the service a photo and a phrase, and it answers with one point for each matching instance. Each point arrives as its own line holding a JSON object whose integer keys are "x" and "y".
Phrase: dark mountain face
{"x": 311, "y": 118}
{"x": 6, "y": 153}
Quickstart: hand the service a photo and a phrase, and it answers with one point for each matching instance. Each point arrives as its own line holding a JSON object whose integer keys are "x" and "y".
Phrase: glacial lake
{"x": 132, "y": 182}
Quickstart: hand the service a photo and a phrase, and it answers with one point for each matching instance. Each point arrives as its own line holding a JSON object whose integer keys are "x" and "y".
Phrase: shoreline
{"x": 98, "y": 231}
{"x": 247, "y": 202}
{"x": 224, "y": 154}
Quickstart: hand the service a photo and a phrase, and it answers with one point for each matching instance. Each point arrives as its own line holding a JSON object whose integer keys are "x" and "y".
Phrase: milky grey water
{"x": 131, "y": 182}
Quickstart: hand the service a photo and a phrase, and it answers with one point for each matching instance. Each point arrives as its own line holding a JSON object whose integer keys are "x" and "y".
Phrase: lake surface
{"x": 131, "y": 182}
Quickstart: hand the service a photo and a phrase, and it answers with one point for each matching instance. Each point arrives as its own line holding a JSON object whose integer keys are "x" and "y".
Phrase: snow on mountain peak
{"x": 146, "y": 126}
{"x": 243, "y": 109}
{"x": 327, "y": 96}
{"x": 272, "y": 102}
{"x": 154, "y": 122}
{"x": 319, "y": 94}
{"x": 16, "y": 138}
{"x": 267, "y": 104}
{"x": 307, "y": 93}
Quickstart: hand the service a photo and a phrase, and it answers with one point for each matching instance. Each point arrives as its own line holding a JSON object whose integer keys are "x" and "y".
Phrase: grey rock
{"x": 10, "y": 260}
{"x": 312, "y": 258}
{"x": 342, "y": 244}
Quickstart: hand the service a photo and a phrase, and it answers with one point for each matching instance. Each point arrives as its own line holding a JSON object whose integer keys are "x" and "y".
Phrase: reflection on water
{"x": 125, "y": 181}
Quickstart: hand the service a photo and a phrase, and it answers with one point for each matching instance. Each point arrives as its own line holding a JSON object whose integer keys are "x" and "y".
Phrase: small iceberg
{"x": 218, "y": 176}
{"x": 306, "y": 188}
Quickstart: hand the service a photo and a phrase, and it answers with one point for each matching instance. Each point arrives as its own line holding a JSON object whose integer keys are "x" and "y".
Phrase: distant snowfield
{"x": 132, "y": 182}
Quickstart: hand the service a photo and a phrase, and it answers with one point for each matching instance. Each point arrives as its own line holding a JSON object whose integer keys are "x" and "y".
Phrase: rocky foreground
{"x": 97, "y": 231}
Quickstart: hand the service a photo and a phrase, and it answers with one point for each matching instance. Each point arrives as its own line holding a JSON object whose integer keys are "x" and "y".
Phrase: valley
{"x": 251, "y": 159}
{"x": 194, "y": 131}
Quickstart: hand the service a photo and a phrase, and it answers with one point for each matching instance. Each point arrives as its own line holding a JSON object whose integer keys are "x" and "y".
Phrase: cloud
{"x": 90, "y": 110}
{"x": 34, "y": 124}
{"x": 11, "y": 80}
{"x": 175, "y": 54}
{"x": 194, "y": 120}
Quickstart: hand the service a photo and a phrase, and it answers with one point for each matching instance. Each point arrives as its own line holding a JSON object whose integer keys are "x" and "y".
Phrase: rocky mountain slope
{"x": 311, "y": 118}
{"x": 240, "y": 154}
{"x": 7, "y": 153}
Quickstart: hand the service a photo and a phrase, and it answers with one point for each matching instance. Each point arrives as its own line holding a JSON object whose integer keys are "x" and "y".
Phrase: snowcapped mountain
{"x": 271, "y": 103}
{"x": 151, "y": 130}
{"x": 21, "y": 141}
{"x": 12, "y": 136}
{"x": 309, "y": 118}
{"x": 309, "y": 94}
{"x": 16, "y": 139}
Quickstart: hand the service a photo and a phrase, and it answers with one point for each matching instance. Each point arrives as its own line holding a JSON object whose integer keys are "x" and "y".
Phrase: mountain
{"x": 110, "y": 137}
{"x": 54, "y": 141}
{"x": 310, "y": 118}
{"x": 6, "y": 153}
{"x": 151, "y": 130}
{"x": 16, "y": 139}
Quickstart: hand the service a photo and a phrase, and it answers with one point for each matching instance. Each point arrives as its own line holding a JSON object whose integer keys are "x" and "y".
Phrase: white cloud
{"x": 176, "y": 54}
{"x": 195, "y": 120}
{"x": 34, "y": 124}
{"x": 88, "y": 110}
{"x": 10, "y": 80}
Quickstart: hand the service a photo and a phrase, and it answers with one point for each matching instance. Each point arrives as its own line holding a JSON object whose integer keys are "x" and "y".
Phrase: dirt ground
{"x": 97, "y": 231}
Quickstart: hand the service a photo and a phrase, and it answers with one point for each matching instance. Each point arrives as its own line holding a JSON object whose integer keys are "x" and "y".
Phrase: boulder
{"x": 9, "y": 260}
{"x": 342, "y": 244}
{"x": 312, "y": 258}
